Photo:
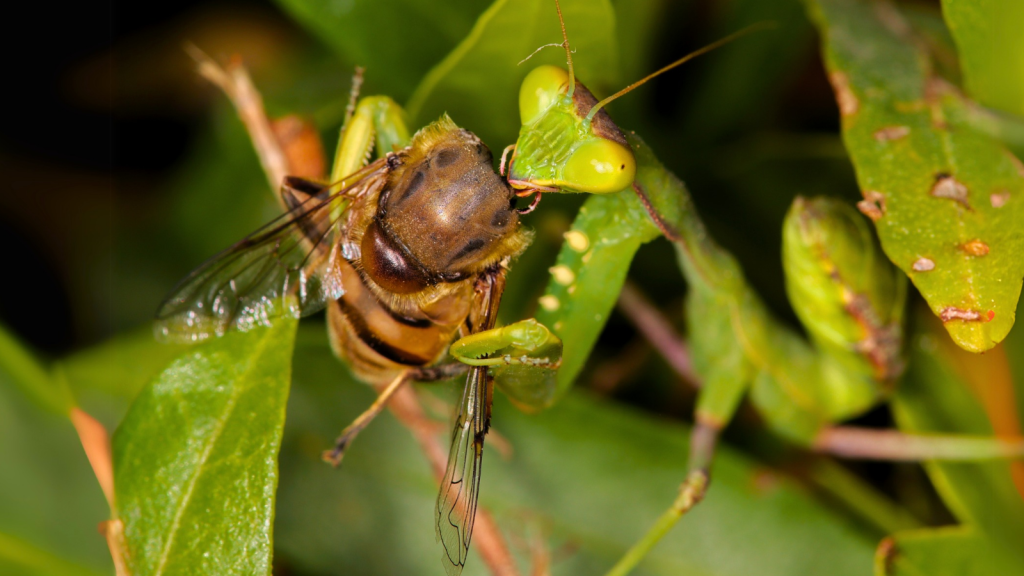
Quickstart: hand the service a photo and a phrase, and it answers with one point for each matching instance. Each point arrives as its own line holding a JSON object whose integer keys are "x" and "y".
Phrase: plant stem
{"x": 870, "y": 444}
{"x": 658, "y": 330}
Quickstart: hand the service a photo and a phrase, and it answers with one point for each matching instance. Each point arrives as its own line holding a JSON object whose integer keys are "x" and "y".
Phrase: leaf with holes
{"x": 195, "y": 459}
{"x": 947, "y": 201}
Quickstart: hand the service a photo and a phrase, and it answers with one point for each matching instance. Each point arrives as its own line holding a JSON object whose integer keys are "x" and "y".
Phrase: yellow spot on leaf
{"x": 549, "y": 302}
{"x": 562, "y": 274}
{"x": 577, "y": 240}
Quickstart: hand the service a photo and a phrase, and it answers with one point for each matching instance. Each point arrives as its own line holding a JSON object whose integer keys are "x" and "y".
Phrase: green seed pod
{"x": 850, "y": 299}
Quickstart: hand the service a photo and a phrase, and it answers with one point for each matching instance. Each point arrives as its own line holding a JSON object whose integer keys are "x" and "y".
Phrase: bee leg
{"x": 426, "y": 374}
{"x": 440, "y": 372}
{"x": 334, "y": 455}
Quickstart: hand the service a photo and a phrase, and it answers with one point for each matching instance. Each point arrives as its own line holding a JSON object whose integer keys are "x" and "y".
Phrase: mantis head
{"x": 567, "y": 142}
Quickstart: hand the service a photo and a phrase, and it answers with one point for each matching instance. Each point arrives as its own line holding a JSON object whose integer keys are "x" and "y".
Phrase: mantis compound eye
{"x": 540, "y": 89}
{"x": 600, "y": 166}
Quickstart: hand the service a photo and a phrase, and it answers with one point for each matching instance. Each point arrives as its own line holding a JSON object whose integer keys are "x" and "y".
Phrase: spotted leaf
{"x": 947, "y": 200}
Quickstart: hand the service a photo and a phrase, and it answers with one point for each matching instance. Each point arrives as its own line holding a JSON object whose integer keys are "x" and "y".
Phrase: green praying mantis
{"x": 844, "y": 291}
{"x": 847, "y": 295}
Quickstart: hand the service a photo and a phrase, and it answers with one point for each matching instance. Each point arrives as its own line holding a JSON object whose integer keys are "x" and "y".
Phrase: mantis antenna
{"x": 690, "y": 56}
{"x": 568, "y": 53}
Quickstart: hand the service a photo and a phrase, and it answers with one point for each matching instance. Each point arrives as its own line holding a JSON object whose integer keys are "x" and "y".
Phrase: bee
{"x": 405, "y": 254}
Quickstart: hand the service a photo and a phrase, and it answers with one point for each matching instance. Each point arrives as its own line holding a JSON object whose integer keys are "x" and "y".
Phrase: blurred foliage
{"x": 991, "y": 50}
{"x": 748, "y": 127}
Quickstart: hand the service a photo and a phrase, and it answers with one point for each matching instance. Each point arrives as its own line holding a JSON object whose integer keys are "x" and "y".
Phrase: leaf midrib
{"x": 219, "y": 429}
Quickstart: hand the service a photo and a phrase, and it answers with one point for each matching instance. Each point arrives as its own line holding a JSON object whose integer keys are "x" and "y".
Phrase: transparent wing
{"x": 456, "y": 502}
{"x": 288, "y": 267}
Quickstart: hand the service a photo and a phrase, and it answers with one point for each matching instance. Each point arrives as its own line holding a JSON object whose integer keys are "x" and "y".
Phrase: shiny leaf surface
{"x": 195, "y": 458}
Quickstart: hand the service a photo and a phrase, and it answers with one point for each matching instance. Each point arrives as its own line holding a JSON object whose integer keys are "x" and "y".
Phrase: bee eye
{"x": 540, "y": 89}
{"x": 600, "y": 166}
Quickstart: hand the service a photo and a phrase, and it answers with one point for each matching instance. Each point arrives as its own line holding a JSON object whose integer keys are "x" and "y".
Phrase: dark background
{"x": 102, "y": 105}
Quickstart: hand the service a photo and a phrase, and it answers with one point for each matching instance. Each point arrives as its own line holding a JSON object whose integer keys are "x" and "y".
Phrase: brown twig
{"x": 113, "y": 531}
{"x": 96, "y": 442}
{"x": 872, "y": 444}
{"x": 235, "y": 82}
{"x": 658, "y": 331}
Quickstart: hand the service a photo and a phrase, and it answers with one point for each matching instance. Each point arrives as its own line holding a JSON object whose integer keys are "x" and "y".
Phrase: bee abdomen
{"x": 378, "y": 341}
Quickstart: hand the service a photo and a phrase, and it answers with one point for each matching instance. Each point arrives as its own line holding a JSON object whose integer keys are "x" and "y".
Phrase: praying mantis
{"x": 844, "y": 291}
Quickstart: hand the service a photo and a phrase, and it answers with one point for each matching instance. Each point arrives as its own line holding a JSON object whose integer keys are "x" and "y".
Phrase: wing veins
{"x": 237, "y": 287}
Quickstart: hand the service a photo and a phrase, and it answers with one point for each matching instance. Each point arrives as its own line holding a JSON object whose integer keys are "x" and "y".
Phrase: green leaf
{"x": 50, "y": 502}
{"x": 195, "y": 458}
{"x": 396, "y": 42}
{"x": 636, "y": 22}
{"x": 122, "y": 365}
{"x": 933, "y": 398}
{"x": 947, "y": 203}
{"x": 991, "y": 47}
{"x": 587, "y": 476}
{"x": 478, "y": 82}
{"x": 20, "y": 367}
{"x": 943, "y": 552}
{"x": 19, "y": 557}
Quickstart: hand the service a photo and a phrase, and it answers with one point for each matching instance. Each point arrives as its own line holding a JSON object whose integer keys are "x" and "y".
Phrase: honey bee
{"x": 405, "y": 254}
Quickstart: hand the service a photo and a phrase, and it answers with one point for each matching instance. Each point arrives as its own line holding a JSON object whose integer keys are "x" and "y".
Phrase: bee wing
{"x": 295, "y": 255}
{"x": 455, "y": 511}
{"x": 456, "y": 503}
